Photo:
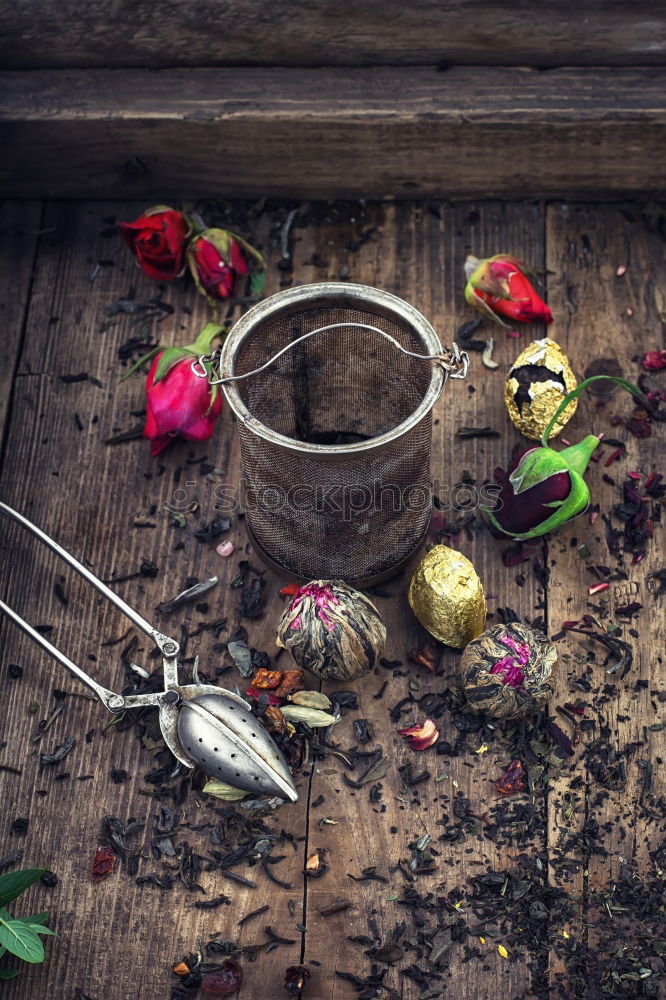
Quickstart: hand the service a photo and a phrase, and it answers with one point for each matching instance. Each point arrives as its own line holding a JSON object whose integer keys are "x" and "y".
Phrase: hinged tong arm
{"x": 167, "y": 646}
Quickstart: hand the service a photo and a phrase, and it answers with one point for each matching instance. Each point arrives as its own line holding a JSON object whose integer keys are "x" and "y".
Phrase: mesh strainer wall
{"x": 339, "y": 513}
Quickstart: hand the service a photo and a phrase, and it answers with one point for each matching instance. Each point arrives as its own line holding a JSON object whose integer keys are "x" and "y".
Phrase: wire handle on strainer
{"x": 454, "y": 362}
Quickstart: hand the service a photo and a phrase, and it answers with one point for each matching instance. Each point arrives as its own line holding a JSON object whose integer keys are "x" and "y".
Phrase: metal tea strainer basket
{"x": 333, "y": 386}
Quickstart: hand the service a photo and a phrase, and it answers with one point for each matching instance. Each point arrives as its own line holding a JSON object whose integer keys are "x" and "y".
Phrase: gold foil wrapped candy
{"x": 447, "y": 597}
{"x": 537, "y": 382}
{"x": 505, "y": 671}
{"x": 332, "y": 630}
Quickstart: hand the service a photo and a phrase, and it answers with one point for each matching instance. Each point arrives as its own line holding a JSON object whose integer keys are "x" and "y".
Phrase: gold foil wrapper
{"x": 447, "y": 597}
{"x": 531, "y": 404}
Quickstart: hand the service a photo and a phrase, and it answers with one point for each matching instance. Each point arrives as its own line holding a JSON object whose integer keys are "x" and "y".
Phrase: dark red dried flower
{"x": 654, "y": 361}
{"x": 296, "y": 979}
{"x": 511, "y": 781}
{"x": 224, "y": 981}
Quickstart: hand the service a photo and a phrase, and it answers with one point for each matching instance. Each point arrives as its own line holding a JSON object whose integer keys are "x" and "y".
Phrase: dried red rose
{"x": 421, "y": 737}
{"x": 500, "y": 288}
{"x": 104, "y": 862}
{"x": 178, "y": 402}
{"x": 158, "y": 239}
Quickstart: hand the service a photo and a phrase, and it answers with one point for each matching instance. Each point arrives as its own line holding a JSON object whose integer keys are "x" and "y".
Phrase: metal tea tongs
{"x": 202, "y": 725}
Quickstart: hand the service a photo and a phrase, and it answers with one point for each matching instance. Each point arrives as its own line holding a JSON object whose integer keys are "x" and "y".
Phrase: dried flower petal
{"x": 267, "y": 678}
{"x": 512, "y": 779}
{"x": 429, "y": 655}
{"x": 654, "y": 361}
{"x": 104, "y": 862}
{"x": 292, "y": 680}
{"x": 421, "y": 737}
{"x": 315, "y": 866}
{"x": 223, "y": 982}
{"x": 275, "y": 720}
{"x": 296, "y": 979}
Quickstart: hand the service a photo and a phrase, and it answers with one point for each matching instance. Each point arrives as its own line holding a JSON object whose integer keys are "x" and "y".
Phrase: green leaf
{"x": 257, "y": 282}
{"x": 204, "y": 341}
{"x": 21, "y": 940}
{"x": 575, "y": 393}
{"x": 8, "y": 973}
{"x": 14, "y": 883}
{"x": 40, "y": 929}
{"x": 34, "y": 918}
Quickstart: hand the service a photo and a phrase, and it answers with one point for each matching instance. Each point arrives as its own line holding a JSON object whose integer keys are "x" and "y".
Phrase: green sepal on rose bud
{"x": 540, "y": 464}
{"x": 544, "y": 479}
{"x": 202, "y": 345}
{"x": 172, "y": 355}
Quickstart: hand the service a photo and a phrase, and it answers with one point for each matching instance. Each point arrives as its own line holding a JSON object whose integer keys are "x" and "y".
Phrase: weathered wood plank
{"x": 381, "y": 132}
{"x": 605, "y": 322}
{"x": 19, "y": 236}
{"x": 419, "y": 254}
{"x": 302, "y": 33}
{"x": 89, "y": 496}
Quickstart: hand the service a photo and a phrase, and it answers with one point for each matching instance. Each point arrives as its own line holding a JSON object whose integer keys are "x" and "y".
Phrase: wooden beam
{"x": 382, "y": 132}
{"x": 65, "y": 33}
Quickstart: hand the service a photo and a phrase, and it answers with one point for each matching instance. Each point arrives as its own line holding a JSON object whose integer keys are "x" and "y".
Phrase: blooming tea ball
{"x": 537, "y": 382}
{"x": 505, "y": 671}
{"x": 447, "y": 596}
{"x": 332, "y": 630}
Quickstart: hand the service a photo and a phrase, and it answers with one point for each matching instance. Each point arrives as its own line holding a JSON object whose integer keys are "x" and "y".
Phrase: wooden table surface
{"x": 62, "y": 268}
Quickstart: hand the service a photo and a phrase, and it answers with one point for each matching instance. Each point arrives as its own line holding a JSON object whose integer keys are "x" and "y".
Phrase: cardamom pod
{"x": 312, "y": 716}
{"x": 221, "y": 790}
{"x": 310, "y": 699}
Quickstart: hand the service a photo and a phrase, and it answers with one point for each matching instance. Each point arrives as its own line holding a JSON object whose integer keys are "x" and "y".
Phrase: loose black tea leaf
{"x": 253, "y": 914}
{"x": 209, "y": 532}
{"x": 242, "y": 657}
{"x": 59, "y": 753}
{"x": 212, "y": 904}
{"x": 192, "y": 593}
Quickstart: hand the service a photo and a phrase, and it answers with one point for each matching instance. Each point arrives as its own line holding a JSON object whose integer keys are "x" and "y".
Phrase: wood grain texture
{"x": 68, "y": 481}
{"x": 419, "y": 254}
{"x": 302, "y": 33}
{"x": 379, "y": 132}
{"x": 19, "y": 237}
{"x": 120, "y": 940}
{"x": 612, "y": 319}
